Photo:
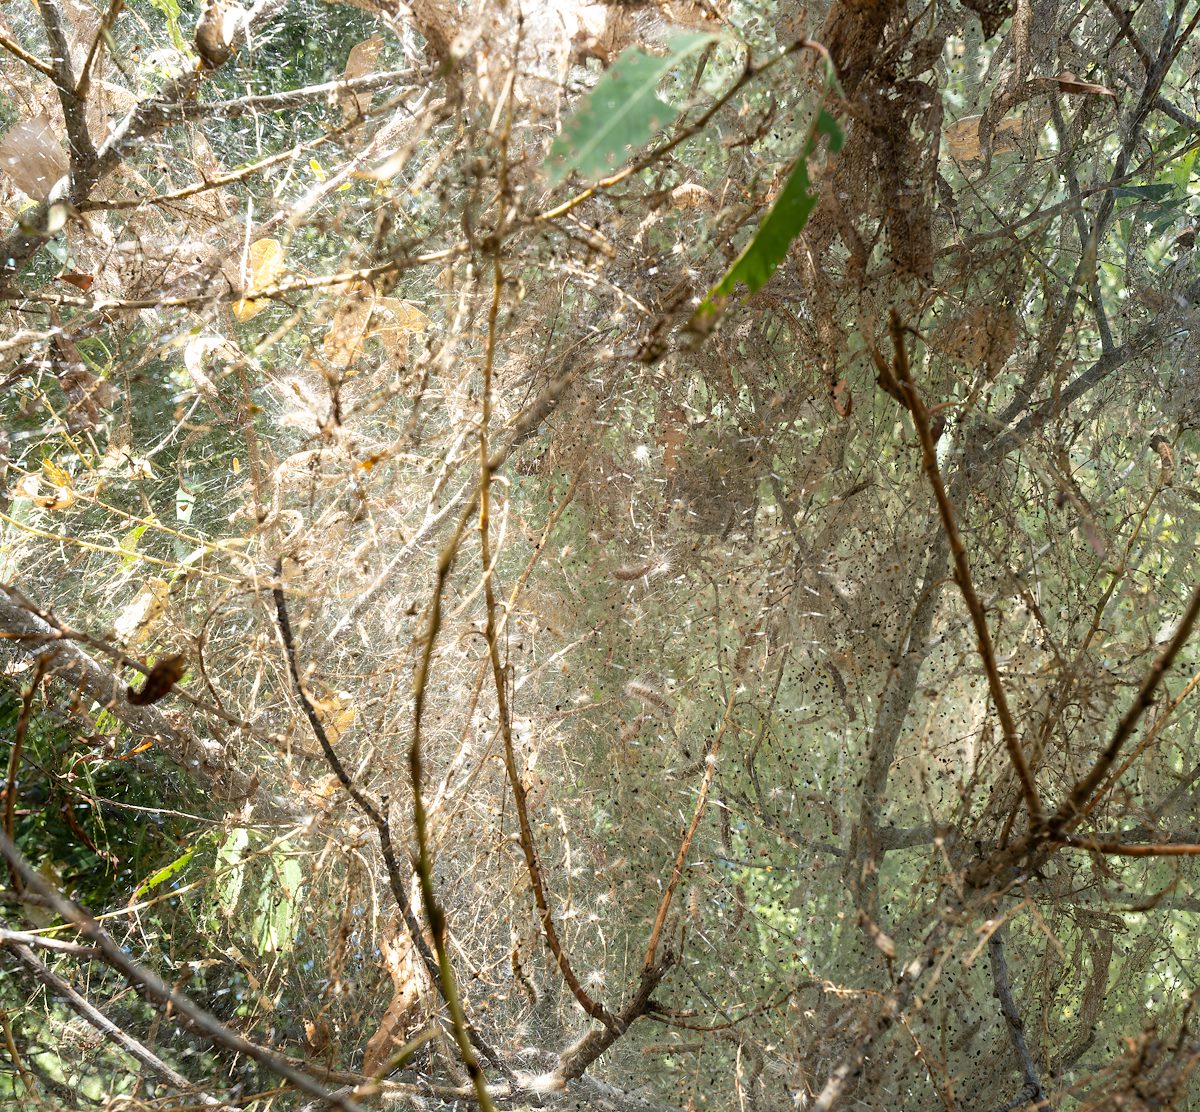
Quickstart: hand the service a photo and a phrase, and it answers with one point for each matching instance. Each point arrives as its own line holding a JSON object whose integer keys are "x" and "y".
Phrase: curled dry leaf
{"x": 1066, "y": 82}
{"x": 216, "y": 30}
{"x": 163, "y": 676}
{"x": 265, "y": 266}
{"x": 32, "y": 157}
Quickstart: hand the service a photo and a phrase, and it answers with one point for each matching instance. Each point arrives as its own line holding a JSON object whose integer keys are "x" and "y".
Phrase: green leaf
{"x": 767, "y": 247}
{"x": 621, "y": 113}
{"x": 279, "y": 906}
{"x": 231, "y": 855}
{"x": 1144, "y": 192}
{"x": 170, "y": 10}
{"x": 167, "y": 871}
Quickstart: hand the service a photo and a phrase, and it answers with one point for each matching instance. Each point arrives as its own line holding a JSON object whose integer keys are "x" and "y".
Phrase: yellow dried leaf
{"x": 344, "y": 341}
{"x": 265, "y": 267}
{"x": 393, "y": 321}
{"x": 56, "y": 493}
{"x": 337, "y": 714}
{"x": 56, "y": 475}
{"x": 406, "y": 317}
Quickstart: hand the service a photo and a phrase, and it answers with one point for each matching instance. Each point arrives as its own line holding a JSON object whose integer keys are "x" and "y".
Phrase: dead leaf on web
{"x": 165, "y": 674}
{"x": 32, "y": 156}
{"x": 195, "y": 353}
{"x": 393, "y": 321}
{"x": 52, "y": 490}
{"x": 400, "y": 961}
{"x": 1066, "y": 82}
{"x": 962, "y": 137}
{"x": 337, "y": 713}
{"x": 265, "y": 267}
{"x": 348, "y": 330}
{"x": 360, "y": 62}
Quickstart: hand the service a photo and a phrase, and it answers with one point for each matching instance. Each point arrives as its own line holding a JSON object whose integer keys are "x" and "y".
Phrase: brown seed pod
{"x": 163, "y": 676}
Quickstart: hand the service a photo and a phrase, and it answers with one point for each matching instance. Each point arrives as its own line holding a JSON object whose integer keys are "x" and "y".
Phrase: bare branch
{"x": 1033, "y": 1090}
{"x": 962, "y": 577}
{"x": 19, "y": 944}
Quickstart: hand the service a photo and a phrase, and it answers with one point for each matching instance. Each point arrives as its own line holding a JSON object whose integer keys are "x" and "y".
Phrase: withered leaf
{"x": 1066, "y": 82}
{"x": 360, "y": 62}
{"x": 265, "y": 267}
{"x": 344, "y": 340}
{"x": 163, "y": 676}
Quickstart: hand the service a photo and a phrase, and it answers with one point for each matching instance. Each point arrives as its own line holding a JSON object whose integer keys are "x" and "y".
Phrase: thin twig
{"x": 19, "y": 943}
{"x": 18, "y": 51}
{"x": 438, "y": 967}
{"x": 1033, "y": 1090}
{"x": 1072, "y": 809}
{"x": 962, "y": 573}
{"x": 591, "y": 1006}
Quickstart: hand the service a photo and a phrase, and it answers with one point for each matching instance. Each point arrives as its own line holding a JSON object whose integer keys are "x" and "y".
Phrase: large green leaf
{"x": 786, "y": 219}
{"x": 621, "y": 113}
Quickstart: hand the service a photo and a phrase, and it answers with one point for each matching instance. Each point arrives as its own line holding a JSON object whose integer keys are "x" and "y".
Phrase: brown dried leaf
{"x": 360, "y": 62}
{"x": 1067, "y": 83}
{"x": 32, "y": 156}
{"x": 265, "y": 266}
{"x": 399, "y": 960}
{"x": 393, "y": 321}
{"x": 165, "y": 674}
{"x": 344, "y": 341}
